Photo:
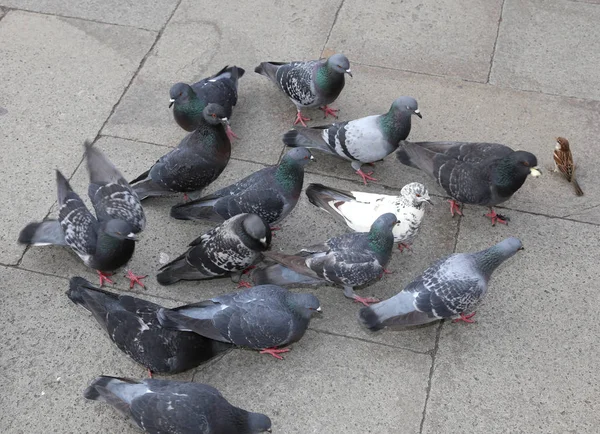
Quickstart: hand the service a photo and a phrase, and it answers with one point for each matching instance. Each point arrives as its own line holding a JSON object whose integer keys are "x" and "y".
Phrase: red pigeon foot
{"x": 275, "y": 352}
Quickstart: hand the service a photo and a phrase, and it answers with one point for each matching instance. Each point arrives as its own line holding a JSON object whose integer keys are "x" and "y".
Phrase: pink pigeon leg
{"x": 365, "y": 176}
{"x": 404, "y": 246}
{"x": 149, "y": 373}
{"x": 496, "y": 218}
{"x": 300, "y": 118}
{"x": 466, "y": 318}
{"x": 230, "y": 134}
{"x": 275, "y": 352}
{"x": 104, "y": 277}
{"x": 134, "y": 278}
{"x": 329, "y": 111}
{"x": 455, "y": 207}
{"x": 244, "y": 284}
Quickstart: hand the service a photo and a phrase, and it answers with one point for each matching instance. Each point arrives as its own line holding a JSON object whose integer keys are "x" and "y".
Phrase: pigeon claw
{"x": 365, "y": 300}
{"x": 250, "y": 268}
{"x": 387, "y": 271}
{"x": 466, "y": 318}
{"x": 230, "y": 134}
{"x": 185, "y": 197}
{"x": 134, "y": 278}
{"x": 497, "y": 218}
{"x": 300, "y": 119}
{"x": 104, "y": 277}
{"x": 365, "y": 176}
{"x": 404, "y": 246}
{"x": 275, "y": 352}
{"x": 329, "y": 111}
{"x": 149, "y": 373}
{"x": 244, "y": 284}
{"x": 455, "y": 208}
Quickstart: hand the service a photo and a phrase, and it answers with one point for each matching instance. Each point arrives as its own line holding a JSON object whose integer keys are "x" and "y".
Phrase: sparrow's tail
{"x": 578, "y": 190}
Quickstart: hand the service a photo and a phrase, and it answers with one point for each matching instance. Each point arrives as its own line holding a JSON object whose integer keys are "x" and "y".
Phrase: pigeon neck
{"x": 111, "y": 252}
{"x": 290, "y": 175}
{"x": 489, "y": 259}
{"x": 193, "y": 107}
{"x": 395, "y": 125}
{"x": 506, "y": 179}
{"x": 382, "y": 244}
{"x": 328, "y": 81}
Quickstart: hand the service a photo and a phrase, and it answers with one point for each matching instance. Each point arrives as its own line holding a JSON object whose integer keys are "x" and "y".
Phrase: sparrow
{"x": 563, "y": 160}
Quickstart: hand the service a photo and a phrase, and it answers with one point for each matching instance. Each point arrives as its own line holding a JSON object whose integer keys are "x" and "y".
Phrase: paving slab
{"x": 408, "y": 35}
{"x": 534, "y": 53}
{"x": 194, "y": 46}
{"x": 457, "y": 110}
{"x": 135, "y": 14}
{"x": 528, "y": 363}
{"x": 88, "y": 65}
{"x": 51, "y": 351}
{"x": 327, "y": 384}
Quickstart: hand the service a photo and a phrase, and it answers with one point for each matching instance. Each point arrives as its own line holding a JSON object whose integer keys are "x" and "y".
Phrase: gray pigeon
{"x": 271, "y": 193}
{"x": 348, "y": 260}
{"x": 131, "y": 323}
{"x": 226, "y": 250}
{"x": 261, "y": 318}
{"x": 449, "y": 288}
{"x": 196, "y": 162}
{"x": 105, "y": 242}
{"x": 190, "y": 101}
{"x": 175, "y": 407}
{"x": 315, "y": 83}
{"x": 486, "y": 174}
{"x": 363, "y": 140}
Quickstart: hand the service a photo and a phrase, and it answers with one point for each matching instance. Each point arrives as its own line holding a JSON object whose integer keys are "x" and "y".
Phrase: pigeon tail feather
{"x": 277, "y": 274}
{"x": 200, "y": 209}
{"x": 48, "y": 232}
{"x": 177, "y": 270}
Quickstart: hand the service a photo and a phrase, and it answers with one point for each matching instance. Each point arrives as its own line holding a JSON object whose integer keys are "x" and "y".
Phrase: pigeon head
{"x": 339, "y": 63}
{"x": 305, "y": 305}
{"x": 511, "y": 172}
{"x": 406, "y": 104}
{"x": 384, "y": 222}
{"x": 214, "y": 114}
{"x": 258, "y": 230}
{"x": 119, "y": 229}
{"x": 416, "y": 193}
{"x": 258, "y": 423}
{"x": 301, "y": 156}
{"x": 489, "y": 259}
{"x": 381, "y": 237}
{"x": 180, "y": 93}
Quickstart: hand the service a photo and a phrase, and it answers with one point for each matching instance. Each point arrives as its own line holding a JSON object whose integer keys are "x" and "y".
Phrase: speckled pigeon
{"x": 226, "y": 250}
{"x": 190, "y": 101}
{"x": 196, "y": 162}
{"x": 131, "y": 323}
{"x": 360, "y": 141}
{"x": 263, "y": 318}
{"x": 348, "y": 260}
{"x": 486, "y": 174}
{"x": 106, "y": 242}
{"x": 175, "y": 407}
{"x": 448, "y": 289}
{"x": 314, "y": 83}
{"x": 359, "y": 210}
{"x": 271, "y": 193}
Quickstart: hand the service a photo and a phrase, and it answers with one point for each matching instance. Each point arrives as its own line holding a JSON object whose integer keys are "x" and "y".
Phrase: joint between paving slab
{"x": 495, "y": 42}
{"x": 431, "y": 371}
{"x": 337, "y": 13}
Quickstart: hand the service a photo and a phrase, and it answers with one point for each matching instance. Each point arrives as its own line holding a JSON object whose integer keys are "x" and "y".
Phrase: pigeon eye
{"x": 418, "y": 195}
{"x": 180, "y": 93}
{"x": 214, "y": 115}
{"x": 525, "y": 163}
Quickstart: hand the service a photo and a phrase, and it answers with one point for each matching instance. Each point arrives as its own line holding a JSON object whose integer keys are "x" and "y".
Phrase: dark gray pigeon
{"x": 449, "y": 288}
{"x": 315, "y": 83}
{"x": 262, "y": 318}
{"x": 271, "y": 193}
{"x": 226, "y": 250}
{"x": 348, "y": 260}
{"x": 363, "y": 140}
{"x": 196, "y": 162}
{"x": 190, "y": 101}
{"x": 131, "y": 323}
{"x": 486, "y": 174}
{"x": 175, "y": 407}
{"x": 106, "y": 242}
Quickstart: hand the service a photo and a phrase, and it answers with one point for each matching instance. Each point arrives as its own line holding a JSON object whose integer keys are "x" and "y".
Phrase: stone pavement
{"x": 518, "y": 72}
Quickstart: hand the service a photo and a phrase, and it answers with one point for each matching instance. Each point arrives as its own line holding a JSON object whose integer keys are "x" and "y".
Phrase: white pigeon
{"x": 358, "y": 210}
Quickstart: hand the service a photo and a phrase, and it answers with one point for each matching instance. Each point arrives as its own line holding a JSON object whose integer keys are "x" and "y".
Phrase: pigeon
{"x": 563, "y": 162}
{"x": 226, "y": 250}
{"x": 363, "y": 140}
{"x": 348, "y": 260}
{"x": 359, "y": 210}
{"x": 447, "y": 289}
{"x": 189, "y": 101}
{"x": 175, "y": 407}
{"x": 315, "y": 83}
{"x": 263, "y": 318}
{"x": 131, "y": 323}
{"x": 105, "y": 242}
{"x": 485, "y": 174}
{"x": 196, "y": 162}
{"x": 271, "y": 193}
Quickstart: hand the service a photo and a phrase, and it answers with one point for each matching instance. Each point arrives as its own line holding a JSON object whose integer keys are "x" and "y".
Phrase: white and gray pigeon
{"x": 449, "y": 288}
{"x": 358, "y": 210}
{"x": 264, "y": 318}
{"x": 175, "y": 407}
{"x": 196, "y": 162}
{"x": 348, "y": 260}
{"x": 486, "y": 174}
{"x": 189, "y": 101}
{"x": 105, "y": 242}
{"x": 364, "y": 140}
{"x": 226, "y": 250}
{"x": 131, "y": 323}
{"x": 271, "y": 193}
{"x": 314, "y": 83}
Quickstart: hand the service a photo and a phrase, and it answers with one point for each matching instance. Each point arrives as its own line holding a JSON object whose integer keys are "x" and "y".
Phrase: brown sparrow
{"x": 563, "y": 160}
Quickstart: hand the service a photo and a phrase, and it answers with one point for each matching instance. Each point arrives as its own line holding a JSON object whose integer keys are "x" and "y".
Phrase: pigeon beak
{"x": 418, "y": 113}
{"x": 312, "y": 158}
{"x": 131, "y": 236}
{"x": 263, "y": 241}
{"x": 428, "y": 201}
{"x": 521, "y": 248}
{"x": 171, "y": 101}
{"x": 349, "y": 72}
{"x": 535, "y": 171}
{"x": 319, "y": 309}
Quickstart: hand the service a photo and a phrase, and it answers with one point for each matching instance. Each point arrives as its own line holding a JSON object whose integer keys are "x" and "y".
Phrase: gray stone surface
{"x": 527, "y": 365}
{"x": 145, "y": 14}
{"x": 408, "y": 35}
{"x": 547, "y": 47}
{"x": 61, "y": 78}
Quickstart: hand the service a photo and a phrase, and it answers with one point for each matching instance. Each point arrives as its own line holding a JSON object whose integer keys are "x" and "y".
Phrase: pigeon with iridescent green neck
{"x": 363, "y": 140}
{"x": 347, "y": 260}
{"x": 314, "y": 83}
{"x": 189, "y": 101}
{"x": 271, "y": 193}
